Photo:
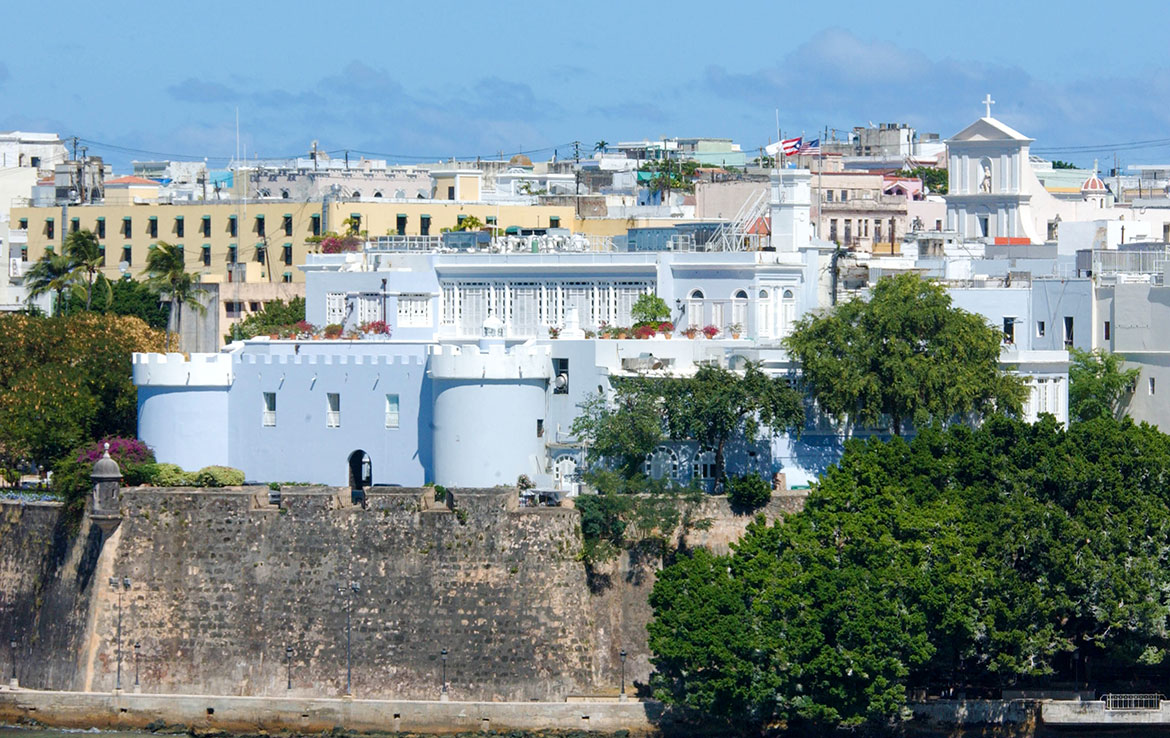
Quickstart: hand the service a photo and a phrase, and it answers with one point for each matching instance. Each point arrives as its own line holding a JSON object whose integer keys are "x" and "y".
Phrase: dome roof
{"x": 520, "y": 160}
{"x": 105, "y": 468}
{"x": 1093, "y": 185}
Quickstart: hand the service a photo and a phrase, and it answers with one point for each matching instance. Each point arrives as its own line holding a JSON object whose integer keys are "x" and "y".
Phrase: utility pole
{"x": 577, "y": 174}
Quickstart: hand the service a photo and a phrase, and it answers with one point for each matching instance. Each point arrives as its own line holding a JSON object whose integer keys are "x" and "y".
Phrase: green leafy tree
{"x": 65, "y": 380}
{"x": 167, "y": 275}
{"x": 990, "y": 557}
{"x": 649, "y": 308}
{"x": 748, "y": 492}
{"x": 716, "y": 405}
{"x": 1058, "y": 164}
{"x": 905, "y": 354}
{"x": 84, "y": 251}
{"x": 470, "y": 223}
{"x": 624, "y": 431}
{"x": 1098, "y": 384}
{"x": 128, "y": 297}
{"x": 277, "y": 316}
{"x": 52, "y": 273}
{"x": 601, "y": 146}
{"x": 934, "y": 178}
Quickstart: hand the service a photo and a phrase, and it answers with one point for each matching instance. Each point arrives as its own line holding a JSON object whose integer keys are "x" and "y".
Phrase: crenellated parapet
{"x": 175, "y": 370}
{"x": 456, "y": 362}
{"x": 339, "y": 359}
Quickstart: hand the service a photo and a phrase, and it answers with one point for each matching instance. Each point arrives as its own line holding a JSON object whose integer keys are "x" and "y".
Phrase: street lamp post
{"x": 119, "y": 585}
{"x": 443, "y": 653}
{"x": 622, "y": 655}
{"x": 353, "y": 588}
{"x": 288, "y": 660}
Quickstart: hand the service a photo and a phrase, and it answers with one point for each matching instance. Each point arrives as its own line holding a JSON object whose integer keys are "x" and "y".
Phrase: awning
{"x": 231, "y": 217}
{"x": 48, "y": 220}
{"x": 125, "y": 217}
{"x": 260, "y": 216}
{"x": 207, "y": 217}
{"x": 288, "y": 215}
{"x": 424, "y": 215}
{"x": 355, "y": 215}
{"x": 402, "y": 215}
{"x": 178, "y": 217}
{"x": 154, "y": 217}
{"x": 512, "y": 230}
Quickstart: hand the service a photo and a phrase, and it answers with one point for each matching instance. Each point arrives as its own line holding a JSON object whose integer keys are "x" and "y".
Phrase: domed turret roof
{"x": 106, "y": 468}
{"x": 1093, "y": 186}
{"x": 520, "y": 160}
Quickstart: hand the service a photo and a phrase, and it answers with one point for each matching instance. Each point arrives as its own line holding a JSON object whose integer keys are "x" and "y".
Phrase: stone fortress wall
{"x": 222, "y": 581}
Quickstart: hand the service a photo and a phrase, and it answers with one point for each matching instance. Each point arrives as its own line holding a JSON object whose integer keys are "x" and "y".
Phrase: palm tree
{"x": 601, "y": 146}
{"x": 52, "y": 272}
{"x": 85, "y": 253}
{"x": 167, "y": 275}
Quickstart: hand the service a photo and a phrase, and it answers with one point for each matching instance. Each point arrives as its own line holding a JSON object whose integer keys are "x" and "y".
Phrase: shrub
{"x": 377, "y": 327}
{"x": 666, "y": 327}
{"x": 333, "y": 330}
{"x": 644, "y": 331}
{"x": 748, "y": 493}
{"x": 650, "y": 309}
{"x": 219, "y": 476}
{"x": 134, "y": 458}
{"x": 172, "y": 475}
{"x": 710, "y": 331}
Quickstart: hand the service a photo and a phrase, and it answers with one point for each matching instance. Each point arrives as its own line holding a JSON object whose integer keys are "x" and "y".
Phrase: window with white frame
{"x": 334, "y": 308}
{"x": 764, "y": 314}
{"x": 739, "y": 304}
{"x": 703, "y": 466}
{"x": 391, "y": 411}
{"x": 787, "y": 311}
{"x": 523, "y": 314}
{"x": 414, "y": 311}
{"x": 268, "y": 418}
{"x": 369, "y": 308}
{"x": 695, "y": 309}
{"x": 528, "y": 306}
{"x": 662, "y": 464}
{"x": 332, "y": 410}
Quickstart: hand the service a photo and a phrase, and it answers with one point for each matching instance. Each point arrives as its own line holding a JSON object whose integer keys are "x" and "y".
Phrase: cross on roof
{"x": 988, "y": 102}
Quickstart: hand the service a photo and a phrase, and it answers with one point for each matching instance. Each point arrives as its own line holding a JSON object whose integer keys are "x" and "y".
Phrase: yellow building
{"x": 256, "y": 241}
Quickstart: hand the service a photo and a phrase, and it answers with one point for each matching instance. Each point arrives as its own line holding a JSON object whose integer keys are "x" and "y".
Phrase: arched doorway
{"x": 361, "y": 475}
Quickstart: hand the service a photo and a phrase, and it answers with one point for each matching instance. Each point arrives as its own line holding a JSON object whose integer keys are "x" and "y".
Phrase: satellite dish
{"x": 561, "y": 381}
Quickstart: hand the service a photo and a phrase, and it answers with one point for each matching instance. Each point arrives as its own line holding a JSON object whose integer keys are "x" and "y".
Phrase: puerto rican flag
{"x": 788, "y": 146}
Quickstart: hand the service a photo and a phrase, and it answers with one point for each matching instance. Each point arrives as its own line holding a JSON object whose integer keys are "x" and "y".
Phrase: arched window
{"x": 695, "y": 309}
{"x": 662, "y": 464}
{"x": 739, "y": 307}
{"x": 703, "y": 466}
{"x": 357, "y": 194}
{"x": 764, "y": 321}
{"x": 400, "y": 194}
{"x": 565, "y": 473}
{"x": 284, "y": 194}
{"x": 787, "y": 311}
{"x": 377, "y": 193}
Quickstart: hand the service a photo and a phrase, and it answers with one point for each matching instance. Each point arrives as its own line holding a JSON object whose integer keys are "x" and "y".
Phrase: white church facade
{"x": 995, "y": 195}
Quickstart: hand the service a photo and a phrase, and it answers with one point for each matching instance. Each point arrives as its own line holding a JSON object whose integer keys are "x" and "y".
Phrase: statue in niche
{"x": 985, "y": 184}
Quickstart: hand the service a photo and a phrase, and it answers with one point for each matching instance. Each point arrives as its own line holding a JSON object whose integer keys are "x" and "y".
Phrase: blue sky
{"x": 416, "y": 81}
